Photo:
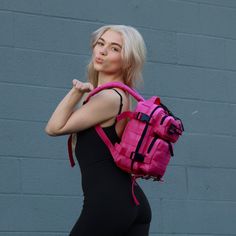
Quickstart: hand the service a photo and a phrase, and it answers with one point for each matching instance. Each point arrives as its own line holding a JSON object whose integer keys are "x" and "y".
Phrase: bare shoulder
{"x": 111, "y": 96}
{"x": 107, "y": 95}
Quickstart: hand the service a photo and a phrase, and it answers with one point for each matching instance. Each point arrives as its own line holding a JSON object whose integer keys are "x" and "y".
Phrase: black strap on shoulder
{"x": 121, "y": 101}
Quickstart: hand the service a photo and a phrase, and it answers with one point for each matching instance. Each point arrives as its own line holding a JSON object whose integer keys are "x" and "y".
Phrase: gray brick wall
{"x": 191, "y": 65}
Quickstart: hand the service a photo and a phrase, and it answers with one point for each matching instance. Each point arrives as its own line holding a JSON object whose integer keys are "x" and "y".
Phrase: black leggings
{"x": 137, "y": 229}
{"x": 117, "y": 219}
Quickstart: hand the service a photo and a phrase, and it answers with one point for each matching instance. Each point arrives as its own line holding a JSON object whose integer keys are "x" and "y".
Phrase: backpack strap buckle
{"x": 143, "y": 117}
{"x": 135, "y": 156}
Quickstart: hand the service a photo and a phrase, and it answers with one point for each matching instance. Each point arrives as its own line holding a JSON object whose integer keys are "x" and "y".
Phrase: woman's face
{"x": 107, "y": 53}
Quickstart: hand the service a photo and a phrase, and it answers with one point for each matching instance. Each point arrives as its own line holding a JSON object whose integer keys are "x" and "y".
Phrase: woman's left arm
{"x": 65, "y": 108}
{"x": 100, "y": 108}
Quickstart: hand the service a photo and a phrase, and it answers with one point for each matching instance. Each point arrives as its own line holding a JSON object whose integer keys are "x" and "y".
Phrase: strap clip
{"x": 143, "y": 117}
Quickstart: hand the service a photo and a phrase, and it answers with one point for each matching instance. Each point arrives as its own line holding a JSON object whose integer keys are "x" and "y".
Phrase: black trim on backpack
{"x": 141, "y": 140}
{"x": 171, "y": 149}
{"x": 151, "y": 144}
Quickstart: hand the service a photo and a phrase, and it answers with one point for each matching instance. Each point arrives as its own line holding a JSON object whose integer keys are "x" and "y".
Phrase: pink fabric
{"x": 146, "y": 145}
{"x": 156, "y": 147}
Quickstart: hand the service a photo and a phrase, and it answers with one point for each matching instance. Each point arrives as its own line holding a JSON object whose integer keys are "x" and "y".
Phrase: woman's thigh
{"x": 104, "y": 221}
{"x": 138, "y": 230}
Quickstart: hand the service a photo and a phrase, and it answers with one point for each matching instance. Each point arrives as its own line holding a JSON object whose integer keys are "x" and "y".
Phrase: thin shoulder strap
{"x": 121, "y": 101}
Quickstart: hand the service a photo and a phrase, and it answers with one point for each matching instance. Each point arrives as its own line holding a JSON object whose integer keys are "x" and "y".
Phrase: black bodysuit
{"x": 108, "y": 207}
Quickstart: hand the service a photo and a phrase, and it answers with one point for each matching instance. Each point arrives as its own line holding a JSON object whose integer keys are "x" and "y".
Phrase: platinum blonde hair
{"x": 133, "y": 54}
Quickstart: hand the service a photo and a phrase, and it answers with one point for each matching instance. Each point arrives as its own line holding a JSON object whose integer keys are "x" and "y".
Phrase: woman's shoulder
{"x": 111, "y": 94}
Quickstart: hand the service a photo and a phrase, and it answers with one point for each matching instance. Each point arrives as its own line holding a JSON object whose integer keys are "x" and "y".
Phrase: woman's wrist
{"x": 75, "y": 91}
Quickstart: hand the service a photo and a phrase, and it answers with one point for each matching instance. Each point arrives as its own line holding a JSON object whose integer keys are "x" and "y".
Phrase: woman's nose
{"x": 103, "y": 51}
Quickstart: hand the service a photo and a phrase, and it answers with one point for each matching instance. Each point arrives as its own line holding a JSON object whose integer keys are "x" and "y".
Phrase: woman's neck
{"x": 105, "y": 78}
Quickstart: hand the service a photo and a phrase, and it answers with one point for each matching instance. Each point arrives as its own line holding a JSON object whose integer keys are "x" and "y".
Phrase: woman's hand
{"x": 82, "y": 87}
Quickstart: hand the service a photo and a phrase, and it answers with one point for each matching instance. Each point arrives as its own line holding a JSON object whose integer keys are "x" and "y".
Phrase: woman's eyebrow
{"x": 112, "y": 43}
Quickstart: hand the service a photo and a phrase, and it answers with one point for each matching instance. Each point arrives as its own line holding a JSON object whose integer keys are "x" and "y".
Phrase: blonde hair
{"x": 133, "y": 54}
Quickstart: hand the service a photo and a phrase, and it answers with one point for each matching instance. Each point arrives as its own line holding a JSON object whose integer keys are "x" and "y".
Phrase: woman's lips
{"x": 99, "y": 60}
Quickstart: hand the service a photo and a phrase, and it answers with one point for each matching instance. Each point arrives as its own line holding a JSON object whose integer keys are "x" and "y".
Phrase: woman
{"x": 118, "y": 54}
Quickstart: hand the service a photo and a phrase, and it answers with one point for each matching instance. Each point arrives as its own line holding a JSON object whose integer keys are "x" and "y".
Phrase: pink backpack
{"x": 146, "y": 144}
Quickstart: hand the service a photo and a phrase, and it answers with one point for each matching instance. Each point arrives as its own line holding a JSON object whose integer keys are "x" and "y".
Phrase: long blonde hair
{"x": 133, "y": 54}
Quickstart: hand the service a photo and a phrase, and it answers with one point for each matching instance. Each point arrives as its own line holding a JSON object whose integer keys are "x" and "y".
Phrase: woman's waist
{"x": 87, "y": 165}
{"x": 102, "y": 169}
{"x": 104, "y": 173}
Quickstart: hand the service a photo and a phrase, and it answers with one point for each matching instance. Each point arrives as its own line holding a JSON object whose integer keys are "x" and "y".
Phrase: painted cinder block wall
{"x": 191, "y": 64}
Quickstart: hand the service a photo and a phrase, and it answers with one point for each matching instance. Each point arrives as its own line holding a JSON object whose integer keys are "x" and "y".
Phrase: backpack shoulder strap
{"x": 120, "y": 85}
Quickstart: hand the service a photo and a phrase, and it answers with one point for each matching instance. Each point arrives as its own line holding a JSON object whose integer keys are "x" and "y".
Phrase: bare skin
{"x": 104, "y": 106}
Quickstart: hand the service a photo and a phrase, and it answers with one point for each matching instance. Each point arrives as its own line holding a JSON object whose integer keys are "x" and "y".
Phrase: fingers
{"x": 90, "y": 86}
{"x": 82, "y": 87}
{"x": 74, "y": 81}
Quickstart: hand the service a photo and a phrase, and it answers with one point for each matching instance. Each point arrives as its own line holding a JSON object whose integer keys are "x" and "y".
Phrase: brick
{"x": 6, "y": 29}
{"x": 184, "y": 16}
{"x": 42, "y": 213}
{"x": 205, "y": 151}
{"x": 2, "y": 4}
{"x": 156, "y": 222}
{"x": 218, "y": 21}
{"x": 83, "y": 10}
{"x": 189, "y": 82}
{"x": 223, "y": 3}
{"x": 230, "y": 54}
{"x": 212, "y": 183}
{"x": 201, "y": 51}
{"x": 161, "y": 45}
{"x": 173, "y": 187}
{"x": 10, "y": 177}
{"x": 47, "y": 33}
{"x": 46, "y": 68}
{"x": 45, "y": 177}
{"x": 7, "y": 64}
{"x": 23, "y": 5}
{"x": 28, "y": 139}
{"x": 36, "y": 109}
{"x": 186, "y": 217}
{"x": 204, "y": 117}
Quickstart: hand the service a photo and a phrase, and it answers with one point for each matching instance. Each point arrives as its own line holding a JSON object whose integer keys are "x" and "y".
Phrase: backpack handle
{"x": 120, "y": 85}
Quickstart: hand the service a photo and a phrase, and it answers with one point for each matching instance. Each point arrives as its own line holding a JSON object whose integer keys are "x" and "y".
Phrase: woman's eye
{"x": 115, "y": 49}
{"x": 100, "y": 43}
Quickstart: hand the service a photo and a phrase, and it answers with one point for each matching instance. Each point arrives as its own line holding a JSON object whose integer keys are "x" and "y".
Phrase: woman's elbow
{"x": 50, "y": 131}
